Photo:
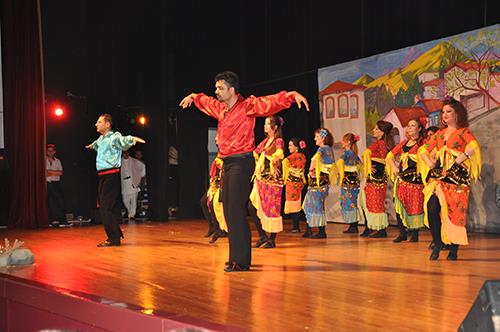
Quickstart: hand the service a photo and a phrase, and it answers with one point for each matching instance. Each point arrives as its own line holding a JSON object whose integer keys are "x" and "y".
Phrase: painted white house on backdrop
{"x": 342, "y": 106}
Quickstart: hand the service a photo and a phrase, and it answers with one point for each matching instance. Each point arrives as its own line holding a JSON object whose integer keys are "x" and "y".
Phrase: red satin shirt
{"x": 236, "y": 126}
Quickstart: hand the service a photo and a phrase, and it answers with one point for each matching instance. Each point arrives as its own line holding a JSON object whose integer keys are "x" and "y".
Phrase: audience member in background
{"x": 55, "y": 197}
{"x": 132, "y": 172}
{"x": 143, "y": 198}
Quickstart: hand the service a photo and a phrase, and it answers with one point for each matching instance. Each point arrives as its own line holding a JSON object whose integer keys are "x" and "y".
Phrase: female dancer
{"x": 454, "y": 156}
{"x": 321, "y": 171}
{"x": 408, "y": 195}
{"x": 349, "y": 165}
{"x": 373, "y": 196}
{"x": 293, "y": 175}
{"x": 211, "y": 206}
{"x": 265, "y": 198}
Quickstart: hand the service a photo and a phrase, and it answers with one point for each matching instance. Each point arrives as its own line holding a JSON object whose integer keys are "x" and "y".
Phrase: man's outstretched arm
{"x": 208, "y": 105}
{"x": 272, "y": 104}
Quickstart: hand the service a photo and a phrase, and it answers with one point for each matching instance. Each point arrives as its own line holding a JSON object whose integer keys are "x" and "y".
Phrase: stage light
{"x": 142, "y": 120}
{"x": 58, "y": 112}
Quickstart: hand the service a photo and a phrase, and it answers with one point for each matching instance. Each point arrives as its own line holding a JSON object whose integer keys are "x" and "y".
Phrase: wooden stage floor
{"x": 343, "y": 283}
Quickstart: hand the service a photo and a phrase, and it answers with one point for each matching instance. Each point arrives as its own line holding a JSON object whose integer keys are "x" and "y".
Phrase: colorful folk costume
{"x": 293, "y": 175}
{"x": 349, "y": 167}
{"x": 373, "y": 196}
{"x": 447, "y": 187}
{"x": 265, "y": 198}
{"x": 211, "y": 205}
{"x": 319, "y": 183}
{"x": 408, "y": 186}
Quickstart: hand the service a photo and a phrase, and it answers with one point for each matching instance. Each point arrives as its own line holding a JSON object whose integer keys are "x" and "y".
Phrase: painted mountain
{"x": 364, "y": 80}
{"x": 437, "y": 58}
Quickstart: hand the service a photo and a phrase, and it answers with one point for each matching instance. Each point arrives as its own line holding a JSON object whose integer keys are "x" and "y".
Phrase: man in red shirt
{"x": 236, "y": 121}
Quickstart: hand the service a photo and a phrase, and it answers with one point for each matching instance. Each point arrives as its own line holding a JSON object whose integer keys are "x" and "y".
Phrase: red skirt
{"x": 375, "y": 197}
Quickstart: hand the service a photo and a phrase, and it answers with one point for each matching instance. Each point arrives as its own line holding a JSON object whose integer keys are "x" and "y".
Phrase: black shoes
{"x": 401, "y": 237}
{"x": 214, "y": 238}
{"x": 353, "y": 228}
{"x": 216, "y": 235}
{"x": 235, "y": 267}
{"x": 434, "y": 254}
{"x": 414, "y": 235}
{"x": 366, "y": 232}
{"x": 379, "y": 234}
{"x": 307, "y": 233}
{"x": 320, "y": 235}
{"x": 108, "y": 243}
{"x": 260, "y": 242}
{"x": 210, "y": 232}
{"x": 453, "y": 254}
{"x": 269, "y": 244}
{"x": 435, "y": 251}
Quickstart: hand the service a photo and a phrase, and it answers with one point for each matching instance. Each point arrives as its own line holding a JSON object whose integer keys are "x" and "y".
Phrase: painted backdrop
{"x": 412, "y": 82}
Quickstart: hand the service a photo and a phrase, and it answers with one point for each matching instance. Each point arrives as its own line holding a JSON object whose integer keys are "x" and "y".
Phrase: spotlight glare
{"x": 142, "y": 120}
{"x": 58, "y": 112}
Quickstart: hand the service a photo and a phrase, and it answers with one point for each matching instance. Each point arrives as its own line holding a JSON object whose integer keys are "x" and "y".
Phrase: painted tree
{"x": 475, "y": 76}
{"x": 406, "y": 98}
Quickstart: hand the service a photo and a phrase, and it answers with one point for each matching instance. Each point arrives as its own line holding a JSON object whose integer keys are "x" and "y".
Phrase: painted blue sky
{"x": 381, "y": 64}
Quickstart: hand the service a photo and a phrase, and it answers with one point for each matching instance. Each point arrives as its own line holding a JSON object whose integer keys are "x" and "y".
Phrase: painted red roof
{"x": 338, "y": 87}
{"x": 434, "y": 82}
{"x": 432, "y": 105}
{"x": 464, "y": 66}
{"x": 406, "y": 114}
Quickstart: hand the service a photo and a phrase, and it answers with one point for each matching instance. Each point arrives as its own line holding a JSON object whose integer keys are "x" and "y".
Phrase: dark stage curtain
{"x": 24, "y": 112}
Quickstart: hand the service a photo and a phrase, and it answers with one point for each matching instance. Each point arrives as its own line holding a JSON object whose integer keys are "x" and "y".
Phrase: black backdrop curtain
{"x": 24, "y": 112}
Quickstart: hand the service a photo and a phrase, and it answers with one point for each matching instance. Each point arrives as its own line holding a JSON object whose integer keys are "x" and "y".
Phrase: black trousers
{"x": 108, "y": 192}
{"x": 213, "y": 224}
{"x": 236, "y": 176}
{"x": 55, "y": 200}
{"x": 433, "y": 214}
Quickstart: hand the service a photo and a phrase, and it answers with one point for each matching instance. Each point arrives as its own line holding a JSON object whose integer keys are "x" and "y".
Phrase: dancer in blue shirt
{"x": 109, "y": 147}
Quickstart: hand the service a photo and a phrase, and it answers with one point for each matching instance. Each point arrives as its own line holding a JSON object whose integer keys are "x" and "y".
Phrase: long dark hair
{"x": 298, "y": 142}
{"x": 386, "y": 128}
{"x": 421, "y": 130}
{"x": 276, "y": 121}
{"x": 460, "y": 110}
